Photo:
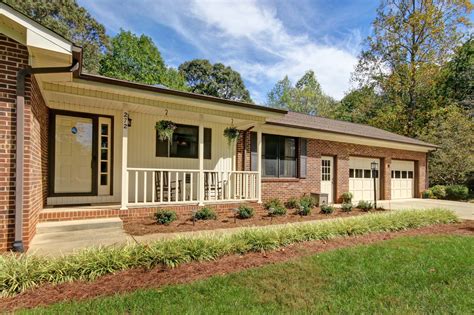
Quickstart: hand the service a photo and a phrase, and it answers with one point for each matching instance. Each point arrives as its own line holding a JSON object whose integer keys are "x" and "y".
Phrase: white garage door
{"x": 361, "y": 182}
{"x": 403, "y": 173}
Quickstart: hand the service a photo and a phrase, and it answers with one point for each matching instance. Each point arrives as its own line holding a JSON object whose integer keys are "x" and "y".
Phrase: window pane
{"x": 410, "y": 174}
{"x": 288, "y": 168}
{"x": 270, "y": 167}
{"x": 103, "y": 179}
{"x": 397, "y": 174}
{"x": 358, "y": 173}
{"x": 287, "y": 150}
{"x": 376, "y": 173}
{"x": 366, "y": 173}
{"x": 103, "y": 154}
{"x": 351, "y": 173}
{"x": 404, "y": 174}
{"x": 393, "y": 174}
{"x": 104, "y": 129}
{"x": 184, "y": 142}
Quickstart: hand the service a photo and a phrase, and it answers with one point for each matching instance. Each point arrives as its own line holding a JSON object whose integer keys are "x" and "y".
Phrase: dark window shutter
{"x": 207, "y": 143}
{"x": 253, "y": 151}
{"x": 162, "y": 147}
{"x": 303, "y": 157}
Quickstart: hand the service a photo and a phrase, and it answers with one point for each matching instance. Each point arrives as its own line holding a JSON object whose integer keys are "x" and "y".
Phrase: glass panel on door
{"x": 73, "y": 154}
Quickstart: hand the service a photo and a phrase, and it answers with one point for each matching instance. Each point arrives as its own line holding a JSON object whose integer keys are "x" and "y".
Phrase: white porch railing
{"x": 153, "y": 186}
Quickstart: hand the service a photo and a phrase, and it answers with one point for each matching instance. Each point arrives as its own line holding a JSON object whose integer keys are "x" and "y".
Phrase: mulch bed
{"x": 184, "y": 224}
{"x": 131, "y": 280}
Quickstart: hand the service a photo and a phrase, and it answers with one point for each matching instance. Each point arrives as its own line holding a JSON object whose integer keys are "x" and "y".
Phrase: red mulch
{"x": 133, "y": 279}
{"x": 183, "y": 224}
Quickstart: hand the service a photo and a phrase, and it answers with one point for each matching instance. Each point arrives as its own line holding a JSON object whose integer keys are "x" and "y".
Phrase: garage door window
{"x": 359, "y": 173}
{"x": 410, "y": 174}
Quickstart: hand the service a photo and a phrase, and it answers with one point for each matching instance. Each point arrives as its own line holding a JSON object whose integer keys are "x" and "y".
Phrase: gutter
{"x": 20, "y": 142}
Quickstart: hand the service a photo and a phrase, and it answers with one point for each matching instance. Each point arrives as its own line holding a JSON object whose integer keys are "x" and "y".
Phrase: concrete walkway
{"x": 464, "y": 210}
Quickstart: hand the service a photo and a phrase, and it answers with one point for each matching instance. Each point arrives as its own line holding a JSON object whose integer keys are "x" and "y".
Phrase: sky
{"x": 263, "y": 40}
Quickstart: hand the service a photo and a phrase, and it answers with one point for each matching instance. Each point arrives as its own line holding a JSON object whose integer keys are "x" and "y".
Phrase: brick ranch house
{"x": 76, "y": 145}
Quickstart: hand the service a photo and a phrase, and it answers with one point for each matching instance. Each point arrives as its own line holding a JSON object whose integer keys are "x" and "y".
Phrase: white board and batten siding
{"x": 361, "y": 182}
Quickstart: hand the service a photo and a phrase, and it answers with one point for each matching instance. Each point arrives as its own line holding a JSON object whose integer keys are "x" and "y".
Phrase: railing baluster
{"x": 161, "y": 186}
{"x": 209, "y": 185}
{"x": 169, "y": 187}
{"x": 183, "y": 198}
{"x": 136, "y": 186}
{"x": 191, "y": 184}
{"x": 144, "y": 186}
{"x": 153, "y": 185}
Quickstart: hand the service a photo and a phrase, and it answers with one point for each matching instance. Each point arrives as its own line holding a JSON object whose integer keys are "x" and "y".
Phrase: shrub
{"x": 205, "y": 213}
{"x": 327, "y": 209}
{"x": 439, "y": 191}
{"x": 292, "y": 203}
{"x": 245, "y": 212}
{"x": 457, "y": 192}
{"x": 346, "y": 207}
{"x": 308, "y": 201}
{"x": 21, "y": 272}
{"x": 165, "y": 216}
{"x": 427, "y": 194}
{"x": 364, "y": 205}
{"x": 275, "y": 207}
{"x": 347, "y": 197}
{"x": 302, "y": 210}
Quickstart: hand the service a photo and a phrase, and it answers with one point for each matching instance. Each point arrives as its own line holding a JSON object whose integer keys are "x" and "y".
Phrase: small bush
{"x": 308, "y": 202}
{"x": 275, "y": 207}
{"x": 245, "y": 212}
{"x": 439, "y": 191}
{"x": 205, "y": 213}
{"x": 292, "y": 203}
{"x": 346, "y": 207}
{"x": 427, "y": 194}
{"x": 327, "y": 209}
{"x": 365, "y": 205}
{"x": 302, "y": 210}
{"x": 165, "y": 217}
{"x": 457, "y": 192}
{"x": 347, "y": 197}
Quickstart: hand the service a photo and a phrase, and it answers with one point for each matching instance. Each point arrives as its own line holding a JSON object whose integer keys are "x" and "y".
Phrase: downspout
{"x": 20, "y": 142}
{"x": 245, "y": 147}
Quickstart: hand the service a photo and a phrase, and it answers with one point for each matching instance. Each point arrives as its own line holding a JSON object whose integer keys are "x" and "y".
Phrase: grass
{"x": 409, "y": 275}
{"x": 18, "y": 273}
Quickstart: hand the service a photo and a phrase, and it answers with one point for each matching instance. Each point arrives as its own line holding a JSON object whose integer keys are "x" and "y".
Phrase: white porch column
{"x": 259, "y": 166}
{"x": 124, "y": 193}
{"x": 201, "y": 165}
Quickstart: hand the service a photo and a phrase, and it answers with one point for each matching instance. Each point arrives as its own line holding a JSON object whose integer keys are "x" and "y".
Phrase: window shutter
{"x": 253, "y": 151}
{"x": 162, "y": 147}
{"x": 207, "y": 143}
{"x": 303, "y": 157}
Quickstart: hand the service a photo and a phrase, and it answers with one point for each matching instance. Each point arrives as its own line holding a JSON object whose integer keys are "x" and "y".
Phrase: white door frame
{"x": 327, "y": 177}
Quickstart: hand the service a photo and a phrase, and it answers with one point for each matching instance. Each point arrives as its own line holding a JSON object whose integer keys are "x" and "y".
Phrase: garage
{"x": 403, "y": 182}
{"x": 361, "y": 182}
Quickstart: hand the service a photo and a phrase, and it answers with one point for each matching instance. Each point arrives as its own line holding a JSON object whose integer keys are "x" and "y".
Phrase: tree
{"x": 136, "y": 58}
{"x": 214, "y": 79}
{"x": 71, "y": 21}
{"x": 359, "y": 105}
{"x": 305, "y": 97}
{"x": 411, "y": 38}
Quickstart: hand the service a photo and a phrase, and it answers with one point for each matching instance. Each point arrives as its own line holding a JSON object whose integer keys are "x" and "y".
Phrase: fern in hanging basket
{"x": 165, "y": 129}
{"x": 232, "y": 134}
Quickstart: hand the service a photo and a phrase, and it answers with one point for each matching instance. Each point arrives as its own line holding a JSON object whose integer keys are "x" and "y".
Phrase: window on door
{"x": 325, "y": 170}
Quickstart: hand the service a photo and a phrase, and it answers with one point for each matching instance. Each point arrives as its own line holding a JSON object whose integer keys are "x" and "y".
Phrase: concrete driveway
{"x": 464, "y": 210}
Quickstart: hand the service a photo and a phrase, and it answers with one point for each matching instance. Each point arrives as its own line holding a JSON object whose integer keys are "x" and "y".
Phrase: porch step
{"x": 78, "y": 225}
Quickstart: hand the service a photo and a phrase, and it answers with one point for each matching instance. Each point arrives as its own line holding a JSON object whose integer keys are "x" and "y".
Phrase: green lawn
{"x": 425, "y": 274}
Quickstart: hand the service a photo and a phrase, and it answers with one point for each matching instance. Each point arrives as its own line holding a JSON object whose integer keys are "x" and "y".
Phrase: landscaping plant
{"x": 165, "y": 217}
{"x": 308, "y": 201}
{"x": 21, "y": 272}
{"x": 365, "y": 205}
{"x": 165, "y": 129}
{"x": 427, "y": 194}
{"x": 327, "y": 209}
{"x": 439, "y": 191}
{"x": 457, "y": 192}
{"x": 205, "y": 213}
{"x": 292, "y": 203}
{"x": 347, "y": 197}
{"x": 346, "y": 206}
{"x": 245, "y": 212}
{"x": 303, "y": 210}
{"x": 232, "y": 134}
{"x": 275, "y": 207}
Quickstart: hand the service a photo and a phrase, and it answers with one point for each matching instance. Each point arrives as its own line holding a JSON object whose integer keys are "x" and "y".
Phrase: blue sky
{"x": 264, "y": 40}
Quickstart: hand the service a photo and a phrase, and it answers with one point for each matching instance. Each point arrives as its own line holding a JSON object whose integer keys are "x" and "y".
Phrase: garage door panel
{"x": 361, "y": 183}
{"x": 402, "y": 181}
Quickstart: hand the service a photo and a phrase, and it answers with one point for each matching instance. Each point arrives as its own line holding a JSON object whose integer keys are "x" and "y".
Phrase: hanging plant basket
{"x": 165, "y": 129}
{"x": 232, "y": 134}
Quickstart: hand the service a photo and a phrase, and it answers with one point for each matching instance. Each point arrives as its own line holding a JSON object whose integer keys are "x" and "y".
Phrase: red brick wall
{"x": 286, "y": 188}
{"x": 14, "y": 56}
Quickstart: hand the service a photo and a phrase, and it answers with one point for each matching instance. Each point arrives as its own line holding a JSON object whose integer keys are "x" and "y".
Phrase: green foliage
{"x": 245, "y": 212}
{"x": 346, "y": 206}
{"x": 305, "y": 97}
{"x": 347, "y": 197}
{"x": 214, "y": 79}
{"x": 365, "y": 205}
{"x": 439, "y": 191}
{"x": 165, "y": 129}
{"x": 292, "y": 203}
{"x": 232, "y": 134}
{"x": 327, "y": 209}
{"x": 137, "y": 59}
{"x": 427, "y": 194}
{"x": 20, "y": 272}
{"x": 457, "y": 192}
{"x": 303, "y": 210}
{"x": 275, "y": 207}
{"x": 73, "y": 22}
{"x": 165, "y": 217}
{"x": 308, "y": 201}
{"x": 205, "y": 213}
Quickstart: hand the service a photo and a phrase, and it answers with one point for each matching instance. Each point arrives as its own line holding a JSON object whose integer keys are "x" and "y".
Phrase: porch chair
{"x": 173, "y": 187}
{"x": 212, "y": 187}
